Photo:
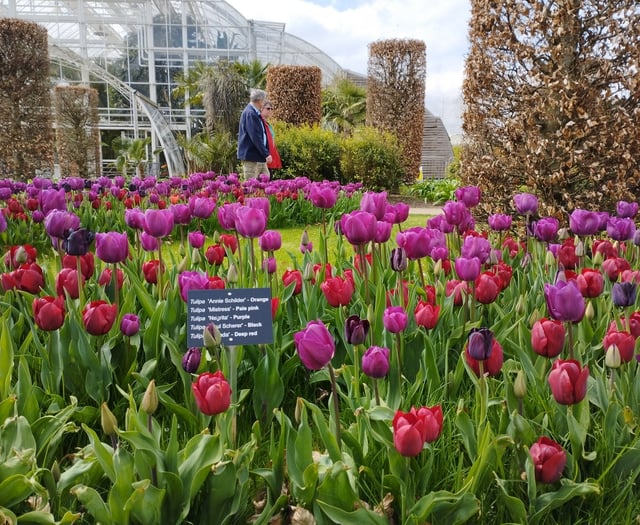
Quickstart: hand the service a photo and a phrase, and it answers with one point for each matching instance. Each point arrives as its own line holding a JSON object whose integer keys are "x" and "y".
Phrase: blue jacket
{"x": 252, "y": 139}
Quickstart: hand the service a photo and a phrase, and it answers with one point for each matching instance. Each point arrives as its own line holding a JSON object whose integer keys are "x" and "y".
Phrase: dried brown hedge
{"x": 295, "y": 92}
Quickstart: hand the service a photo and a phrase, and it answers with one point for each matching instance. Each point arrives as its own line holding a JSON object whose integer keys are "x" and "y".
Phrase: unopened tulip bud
{"x": 549, "y": 258}
{"x": 399, "y": 260}
{"x": 195, "y": 256}
{"x": 612, "y": 358}
{"x": 183, "y": 265}
{"x": 232, "y": 274}
{"x": 534, "y": 317}
{"x": 308, "y": 273}
{"x": 371, "y": 315}
{"x": 598, "y": 258}
{"x": 150, "y": 399}
{"x": 437, "y": 268}
{"x": 304, "y": 239}
{"x": 108, "y": 421}
{"x": 216, "y": 237}
{"x": 191, "y": 360}
{"x": 580, "y": 248}
{"x": 211, "y": 336}
{"x": 520, "y": 385}
{"x": 493, "y": 257}
{"x": 55, "y": 471}
{"x": 520, "y": 305}
{"x": 589, "y": 312}
{"x": 563, "y": 233}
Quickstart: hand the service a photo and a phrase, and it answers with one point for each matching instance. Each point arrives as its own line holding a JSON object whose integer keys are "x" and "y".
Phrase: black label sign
{"x": 242, "y": 315}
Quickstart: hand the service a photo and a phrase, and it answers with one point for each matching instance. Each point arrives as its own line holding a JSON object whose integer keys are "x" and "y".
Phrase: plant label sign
{"x": 242, "y": 315}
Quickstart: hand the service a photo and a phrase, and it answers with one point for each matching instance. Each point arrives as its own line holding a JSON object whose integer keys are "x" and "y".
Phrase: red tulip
{"x": 624, "y": 341}
{"x": 290, "y": 276}
{"x": 67, "y": 281}
{"x": 18, "y": 255}
{"x": 87, "y": 264}
{"x": 337, "y": 290}
{"x": 590, "y": 282}
{"x": 98, "y": 317}
{"x": 487, "y": 286}
{"x": 28, "y": 278}
{"x": 427, "y": 314}
{"x": 48, "y": 312}
{"x": 492, "y": 365}
{"x": 107, "y": 275}
{"x": 150, "y": 271}
{"x": 549, "y": 460}
{"x": 459, "y": 290}
{"x": 411, "y": 430}
{"x": 547, "y": 337}
{"x": 568, "y": 381}
{"x": 212, "y": 393}
{"x": 215, "y": 254}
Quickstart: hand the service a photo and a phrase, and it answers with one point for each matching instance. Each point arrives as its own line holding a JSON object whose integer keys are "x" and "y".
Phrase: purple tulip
{"x": 37, "y": 217}
{"x": 192, "y": 281}
{"x": 395, "y": 319}
{"x": 374, "y": 203}
{"x": 148, "y": 242}
{"x": 322, "y": 195}
{"x": 439, "y": 222}
{"x": 181, "y": 214}
{"x": 467, "y": 269}
{"x": 202, "y": 207}
{"x": 51, "y": 199}
{"x": 564, "y": 301}
{"x": 191, "y": 360}
{"x": 546, "y": 229}
{"x": 397, "y": 213}
{"x": 468, "y": 195}
{"x": 130, "y": 325}
{"x": 56, "y": 222}
{"x": 77, "y": 242}
{"x": 315, "y": 345}
{"x": 383, "y": 232}
{"x": 627, "y": 209}
{"x": 260, "y": 203}
{"x": 356, "y": 330}
{"x": 476, "y": 247}
{"x": 526, "y": 203}
{"x": 158, "y": 223}
{"x": 603, "y": 218}
{"x": 480, "y": 343}
{"x": 584, "y": 222}
{"x": 134, "y": 218}
{"x": 624, "y": 294}
{"x": 250, "y": 222}
{"x": 359, "y": 227}
{"x": 3, "y": 222}
{"x": 196, "y": 239}
{"x": 270, "y": 241}
{"x": 455, "y": 212}
{"x": 112, "y": 247}
{"x": 227, "y": 215}
{"x": 399, "y": 260}
{"x": 499, "y": 222}
{"x": 621, "y": 228}
{"x": 375, "y": 361}
{"x": 270, "y": 265}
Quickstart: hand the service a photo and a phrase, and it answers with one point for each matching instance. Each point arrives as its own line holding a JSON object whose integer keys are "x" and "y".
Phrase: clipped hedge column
{"x": 295, "y": 92}
{"x": 395, "y": 95}
{"x": 26, "y": 141}
{"x": 77, "y": 133}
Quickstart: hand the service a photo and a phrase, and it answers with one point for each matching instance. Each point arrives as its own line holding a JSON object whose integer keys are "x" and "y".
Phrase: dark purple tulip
{"x": 624, "y": 294}
{"x": 181, "y": 214}
{"x": 148, "y": 242}
{"x": 584, "y": 222}
{"x": 526, "y": 203}
{"x": 130, "y": 325}
{"x": 546, "y": 229}
{"x": 467, "y": 269}
{"x": 134, "y": 218}
{"x": 5, "y": 193}
{"x": 627, "y": 209}
{"x": 375, "y": 361}
{"x": 196, "y": 239}
{"x": 476, "y": 247}
{"x": 270, "y": 241}
{"x": 356, "y": 330}
{"x": 636, "y": 238}
{"x": 250, "y": 222}
{"x": 564, "y": 301}
{"x": 621, "y": 228}
{"x": 395, "y": 319}
{"x": 399, "y": 260}
{"x": 112, "y": 247}
{"x": 469, "y": 195}
{"x": 37, "y": 216}
{"x": 383, "y": 231}
{"x": 158, "y": 223}
{"x": 227, "y": 215}
{"x": 455, "y": 212}
{"x": 57, "y": 222}
{"x": 77, "y": 242}
{"x": 480, "y": 343}
{"x": 499, "y": 222}
{"x": 375, "y": 203}
{"x": 191, "y": 360}
{"x": 202, "y": 207}
{"x": 322, "y": 195}
{"x": 52, "y": 200}
{"x": 359, "y": 227}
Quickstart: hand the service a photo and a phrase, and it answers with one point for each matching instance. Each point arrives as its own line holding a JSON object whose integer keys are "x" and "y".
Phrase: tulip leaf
{"x": 102, "y": 452}
{"x": 515, "y": 506}
{"x": 37, "y": 517}
{"x": 361, "y": 516}
{"x": 145, "y": 503}
{"x": 268, "y": 388}
{"x": 90, "y": 498}
{"x": 16, "y": 488}
{"x": 200, "y": 453}
{"x": 328, "y": 438}
{"x": 122, "y": 487}
{"x": 569, "y": 490}
{"x": 6, "y": 357}
{"x": 444, "y": 507}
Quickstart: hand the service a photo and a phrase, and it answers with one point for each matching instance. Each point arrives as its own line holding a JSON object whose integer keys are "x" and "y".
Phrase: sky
{"x": 343, "y": 29}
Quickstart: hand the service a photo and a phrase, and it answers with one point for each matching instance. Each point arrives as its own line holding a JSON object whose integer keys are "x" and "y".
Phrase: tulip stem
{"x": 160, "y": 271}
{"x": 336, "y": 404}
{"x": 363, "y": 262}
{"x": 356, "y": 375}
{"x": 375, "y": 391}
{"x": 570, "y": 339}
{"x": 422, "y": 281}
{"x": 116, "y": 291}
{"x": 233, "y": 383}
{"x": 252, "y": 263}
{"x": 80, "y": 282}
{"x": 324, "y": 237}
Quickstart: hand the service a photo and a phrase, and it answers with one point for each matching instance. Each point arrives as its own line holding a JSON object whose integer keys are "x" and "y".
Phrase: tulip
{"x": 468, "y": 195}
{"x": 212, "y": 393}
{"x": 399, "y": 260}
{"x": 624, "y": 294}
{"x": 112, "y": 247}
{"x": 191, "y": 360}
{"x": 293, "y": 276}
{"x": 411, "y": 430}
{"x": 394, "y": 319}
{"x": 108, "y": 420}
{"x": 374, "y": 203}
{"x": 322, "y": 195}
{"x": 22, "y": 254}
{"x": 546, "y": 230}
{"x": 478, "y": 247}
{"x": 526, "y": 203}
{"x": 150, "y": 271}
{"x": 549, "y": 460}
{"x": 130, "y": 325}
{"x": 98, "y": 317}
{"x": 547, "y": 337}
{"x": 148, "y": 242}
{"x": 415, "y": 242}
{"x": 3, "y": 223}
{"x": 259, "y": 203}
{"x": 375, "y": 362}
{"x": 270, "y": 241}
{"x": 613, "y": 267}
{"x": 77, "y": 241}
{"x": 467, "y": 269}
{"x": 337, "y": 291}
{"x": 487, "y": 286}
{"x": 270, "y": 265}
{"x": 564, "y": 301}
{"x": 107, "y": 275}
{"x": 499, "y": 222}
{"x": 568, "y": 381}
{"x": 27, "y": 278}
{"x": 196, "y": 239}
{"x": 590, "y": 282}
{"x": 383, "y": 232}
{"x": 627, "y": 209}
{"x": 211, "y": 337}
{"x": 87, "y": 264}
{"x": 315, "y": 345}
{"x": 459, "y": 290}
{"x": 397, "y": 213}
{"x": 356, "y": 330}
{"x": 181, "y": 213}
{"x": 478, "y": 344}
{"x": 158, "y": 223}
{"x": 201, "y": 207}
{"x": 250, "y": 222}
{"x": 227, "y": 215}
{"x": 48, "y": 312}
{"x": 623, "y": 341}
{"x": 359, "y": 227}
{"x": 192, "y": 280}
{"x": 621, "y": 229}
{"x": 426, "y": 314}
{"x": 584, "y": 222}
{"x": 134, "y": 218}
{"x": 67, "y": 283}
{"x": 455, "y": 213}
{"x": 215, "y": 254}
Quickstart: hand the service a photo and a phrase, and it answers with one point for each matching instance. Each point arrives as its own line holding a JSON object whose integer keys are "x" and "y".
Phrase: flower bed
{"x": 452, "y": 373}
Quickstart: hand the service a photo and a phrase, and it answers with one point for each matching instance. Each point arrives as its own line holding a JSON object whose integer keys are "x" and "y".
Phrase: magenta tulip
{"x": 315, "y": 345}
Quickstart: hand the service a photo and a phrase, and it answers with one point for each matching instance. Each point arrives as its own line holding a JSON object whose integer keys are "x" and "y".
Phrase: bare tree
{"x": 551, "y": 94}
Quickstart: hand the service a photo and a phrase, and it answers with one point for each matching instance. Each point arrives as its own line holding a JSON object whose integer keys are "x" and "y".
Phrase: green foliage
{"x": 210, "y": 152}
{"x": 308, "y": 151}
{"x": 374, "y": 159}
{"x": 435, "y": 191}
{"x": 343, "y": 106}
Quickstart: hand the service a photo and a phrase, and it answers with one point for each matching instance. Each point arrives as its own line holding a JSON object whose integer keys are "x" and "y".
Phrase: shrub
{"x": 374, "y": 159}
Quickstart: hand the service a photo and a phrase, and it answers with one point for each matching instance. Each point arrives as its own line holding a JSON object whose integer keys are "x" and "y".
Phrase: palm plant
{"x": 343, "y": 106}
{"x": 132, "y": 153}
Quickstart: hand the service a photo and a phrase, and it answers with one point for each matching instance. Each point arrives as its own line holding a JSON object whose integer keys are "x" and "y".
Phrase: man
{"x": 253, "y": 148}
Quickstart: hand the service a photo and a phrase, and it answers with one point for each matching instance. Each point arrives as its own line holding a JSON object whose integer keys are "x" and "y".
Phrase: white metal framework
{"x": 131, "y": 51}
